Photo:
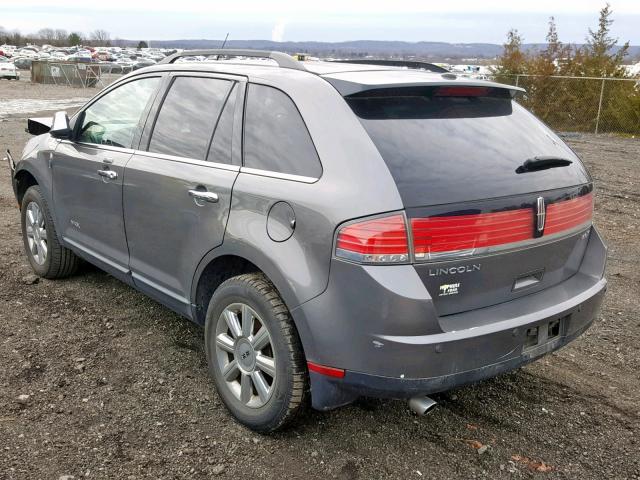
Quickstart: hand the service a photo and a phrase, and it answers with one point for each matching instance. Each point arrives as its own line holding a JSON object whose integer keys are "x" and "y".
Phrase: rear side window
{"x": 275, "y": 136}
{"x": 188, "y": 117}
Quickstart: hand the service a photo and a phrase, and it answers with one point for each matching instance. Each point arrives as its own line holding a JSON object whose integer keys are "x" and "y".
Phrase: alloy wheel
{"x": 36, "y": 233}
{"x": 245, "y": 355}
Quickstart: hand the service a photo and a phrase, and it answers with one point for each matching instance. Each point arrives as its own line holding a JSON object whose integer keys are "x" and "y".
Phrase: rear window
{"x": 445, "y": 144}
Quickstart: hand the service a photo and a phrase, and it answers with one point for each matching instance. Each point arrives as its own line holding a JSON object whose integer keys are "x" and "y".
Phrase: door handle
{"x": 110, "y": 174}
{"x": 204, "y": 196}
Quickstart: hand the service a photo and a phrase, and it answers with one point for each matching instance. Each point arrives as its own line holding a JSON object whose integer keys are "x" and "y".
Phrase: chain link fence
{"x": 581, "y": 104}
{"x": 74, "y": 74}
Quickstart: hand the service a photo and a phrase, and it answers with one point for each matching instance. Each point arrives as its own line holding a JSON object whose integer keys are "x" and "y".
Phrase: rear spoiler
{"x": 350, "y": 83}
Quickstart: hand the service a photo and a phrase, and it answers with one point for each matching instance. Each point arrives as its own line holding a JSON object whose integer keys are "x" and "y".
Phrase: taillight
{"x": 461, "y": 92}
{"x": 379, "y": 240}
{"x": 440, "y": 237}
{"x": 459, "y": 235}
{"x": 385, "y": 239}
{"x": 569, "y": 214}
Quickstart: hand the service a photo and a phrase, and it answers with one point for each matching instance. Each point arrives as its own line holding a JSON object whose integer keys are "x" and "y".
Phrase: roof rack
{"x": 430, "y": 67}
{"x": 282, "y": 59}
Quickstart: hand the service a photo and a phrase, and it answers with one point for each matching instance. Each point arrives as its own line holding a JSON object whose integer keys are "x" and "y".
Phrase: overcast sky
{"x": 324, "y": 20}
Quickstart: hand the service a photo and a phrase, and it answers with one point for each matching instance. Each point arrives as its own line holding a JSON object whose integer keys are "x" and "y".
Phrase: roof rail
{"x": 282, "y": 59}
{"x": 397, "y": 63}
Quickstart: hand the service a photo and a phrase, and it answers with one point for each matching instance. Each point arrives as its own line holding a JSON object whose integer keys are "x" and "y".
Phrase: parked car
{"x": 142, "y": 63}
{"x": 339, "y": 230}
{"x": 8, "y": 70}
{"x": 22, "y": 63}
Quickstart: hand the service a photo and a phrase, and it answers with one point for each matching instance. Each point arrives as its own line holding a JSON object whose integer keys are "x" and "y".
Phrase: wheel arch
{"x": 228, "y": 261}
{"x": 22, "y": 180}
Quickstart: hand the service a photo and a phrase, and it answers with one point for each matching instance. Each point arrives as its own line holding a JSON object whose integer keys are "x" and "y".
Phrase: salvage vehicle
{"x": 8, "y": 70}
{"x": 340, "y": 230}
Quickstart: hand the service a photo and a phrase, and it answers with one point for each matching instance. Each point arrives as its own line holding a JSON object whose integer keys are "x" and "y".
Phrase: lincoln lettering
{"x": 436, "y": 272}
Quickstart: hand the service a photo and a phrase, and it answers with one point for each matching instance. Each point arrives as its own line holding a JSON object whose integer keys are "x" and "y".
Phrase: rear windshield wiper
{"x": 542, "y": 163}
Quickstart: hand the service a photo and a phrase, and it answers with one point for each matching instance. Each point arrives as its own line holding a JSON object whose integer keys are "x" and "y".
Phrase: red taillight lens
{"x": 464, "y": 234}
{"x": 461, "y": 235}
{"x": 462, "y": 92}
{"x": 569, "y": 214}
{"x": 380, "y": 240}
{"x": 385, "y": 240}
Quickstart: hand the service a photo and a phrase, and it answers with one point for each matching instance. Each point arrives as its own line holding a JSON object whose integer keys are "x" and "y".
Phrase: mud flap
{"x": 327, "y": 394}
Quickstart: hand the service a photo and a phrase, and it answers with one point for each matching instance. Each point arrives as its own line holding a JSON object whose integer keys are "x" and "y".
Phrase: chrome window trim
{"x": 192, "y": 161}
{"x": 99, "y": 146}
{"x": 281, "y": 176}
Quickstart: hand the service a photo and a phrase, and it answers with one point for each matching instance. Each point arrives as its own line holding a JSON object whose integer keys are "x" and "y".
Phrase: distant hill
{"x": 434, "y": 51}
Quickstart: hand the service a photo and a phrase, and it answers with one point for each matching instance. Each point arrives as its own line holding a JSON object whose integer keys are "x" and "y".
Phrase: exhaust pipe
{"x": 421, "y": 405}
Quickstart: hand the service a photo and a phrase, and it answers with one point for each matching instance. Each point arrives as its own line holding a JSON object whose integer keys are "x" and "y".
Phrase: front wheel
{"x": 47, "y": 257}
{"x": 254, "y": 353}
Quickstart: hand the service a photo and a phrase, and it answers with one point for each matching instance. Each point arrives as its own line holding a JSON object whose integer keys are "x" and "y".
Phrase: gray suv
{"x": 340, "y": 230}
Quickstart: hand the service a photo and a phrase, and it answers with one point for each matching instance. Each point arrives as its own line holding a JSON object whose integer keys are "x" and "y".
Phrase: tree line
{"x": 59, "y": 37}
{"x": 573, "y": 103}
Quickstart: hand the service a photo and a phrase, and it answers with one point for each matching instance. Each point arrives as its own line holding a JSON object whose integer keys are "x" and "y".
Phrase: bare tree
{"x": 61, "y": 37}
{"x": 47, "y": 35}
{"x": 101, "y": 38}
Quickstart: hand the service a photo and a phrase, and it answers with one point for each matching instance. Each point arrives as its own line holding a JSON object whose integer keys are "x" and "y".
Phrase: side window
{"x": 188, "y": 116}
{"x": 114, "y": 119}
{"x": 220, "y": 150}
{"x": 275, "y": 136}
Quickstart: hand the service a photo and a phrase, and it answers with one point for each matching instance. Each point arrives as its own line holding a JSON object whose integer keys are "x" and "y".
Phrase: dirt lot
{"x": 118, "y": 386}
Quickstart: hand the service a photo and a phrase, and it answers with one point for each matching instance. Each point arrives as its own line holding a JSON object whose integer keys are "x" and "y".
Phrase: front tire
{"x": 47, "y": 257}
{"x": 254, "y": 353}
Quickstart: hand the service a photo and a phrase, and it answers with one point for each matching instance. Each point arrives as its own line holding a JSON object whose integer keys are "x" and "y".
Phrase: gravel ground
{"x": 98, "y": 381}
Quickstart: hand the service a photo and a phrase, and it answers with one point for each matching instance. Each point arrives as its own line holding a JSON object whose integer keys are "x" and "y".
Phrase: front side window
{"x": 188, "y": 117}
{"x": 114, "y": 119}
{"x": 275, "y": 136}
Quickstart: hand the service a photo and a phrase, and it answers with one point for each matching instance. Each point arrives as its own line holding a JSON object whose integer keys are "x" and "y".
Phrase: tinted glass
{"x": 188, "y": 116}
{"x": 445, "y": 149}
{"x": 275, "y": 137}
{"x": 114, "y": 119}
{"x": 220, "y": 150}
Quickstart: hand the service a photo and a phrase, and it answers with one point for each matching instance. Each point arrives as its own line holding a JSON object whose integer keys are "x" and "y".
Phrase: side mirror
{"x": 60, "y": 127}
{"x": 38, "y": 126}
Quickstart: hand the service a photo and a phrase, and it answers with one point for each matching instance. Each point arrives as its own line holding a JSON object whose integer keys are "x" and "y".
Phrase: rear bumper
{"x": 423, "y": 358}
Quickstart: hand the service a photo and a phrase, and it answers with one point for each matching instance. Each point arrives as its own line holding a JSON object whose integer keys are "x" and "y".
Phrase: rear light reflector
{"x": 379, "y": 240}
{"x": 327, "y": 371}
{"x": 434, "y": 237}
{"x": 569, "y": 214}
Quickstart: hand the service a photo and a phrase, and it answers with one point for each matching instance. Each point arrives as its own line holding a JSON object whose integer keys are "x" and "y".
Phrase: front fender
{"x": 35, "y": 161}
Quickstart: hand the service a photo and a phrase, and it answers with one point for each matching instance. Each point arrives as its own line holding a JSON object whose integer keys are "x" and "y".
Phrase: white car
{"x": 9, "y": 70}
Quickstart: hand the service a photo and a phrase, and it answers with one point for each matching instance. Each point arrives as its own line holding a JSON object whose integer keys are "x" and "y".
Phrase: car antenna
{"x": 223, "y": 44}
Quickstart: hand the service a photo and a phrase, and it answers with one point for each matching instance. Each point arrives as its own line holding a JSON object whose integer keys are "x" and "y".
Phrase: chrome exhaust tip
{"x": 421, "y": 405}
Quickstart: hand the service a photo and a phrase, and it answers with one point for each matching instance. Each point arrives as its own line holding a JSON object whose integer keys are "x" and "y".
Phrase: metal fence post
{"x": 517, "y": 79}
{"x": 599, "y": 106}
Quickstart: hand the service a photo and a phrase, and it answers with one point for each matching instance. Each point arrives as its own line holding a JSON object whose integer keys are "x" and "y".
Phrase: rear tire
{"x": 47, "y": 257}
{"x": 248, "y": 323}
